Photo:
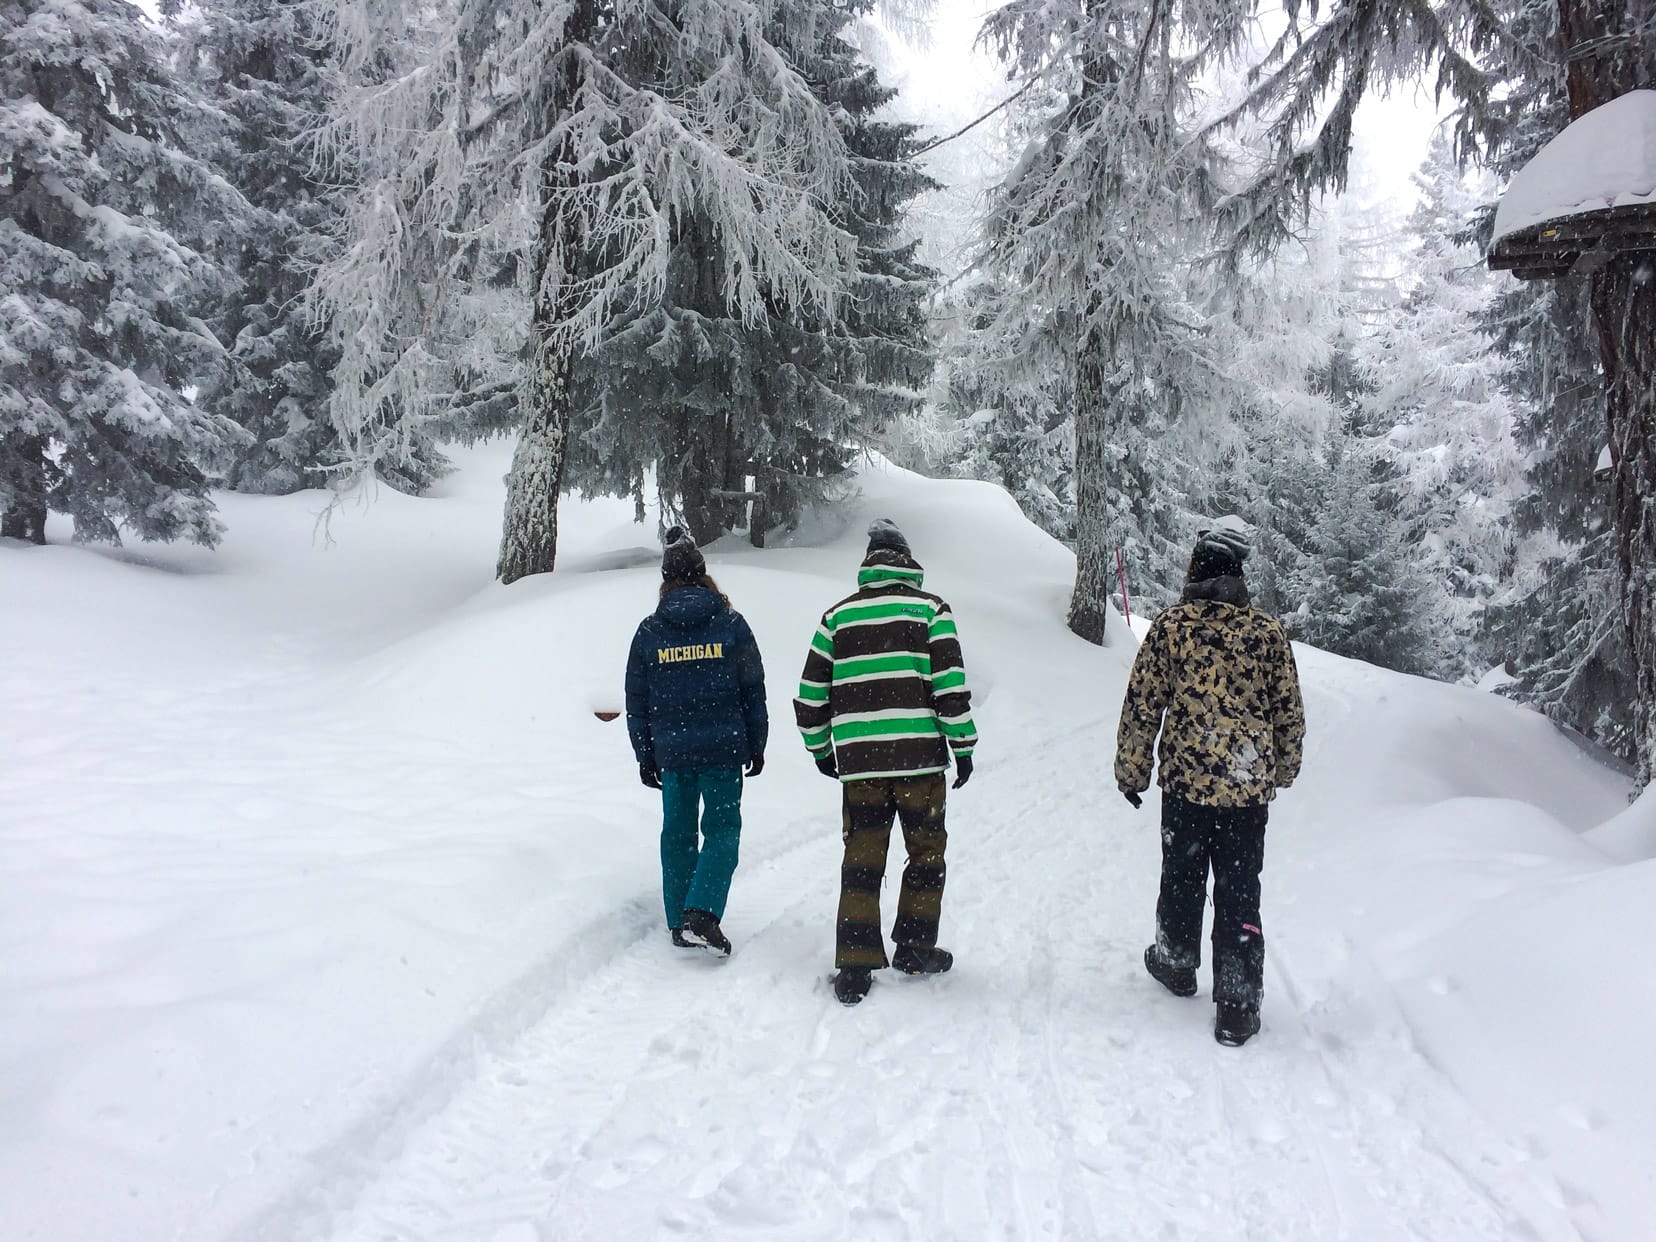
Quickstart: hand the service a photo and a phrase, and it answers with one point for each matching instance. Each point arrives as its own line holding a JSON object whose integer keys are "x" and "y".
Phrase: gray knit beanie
{"x": 884, "y": 535}
{"x": 681, "y": 559}
{"x": 1219, "y": 553}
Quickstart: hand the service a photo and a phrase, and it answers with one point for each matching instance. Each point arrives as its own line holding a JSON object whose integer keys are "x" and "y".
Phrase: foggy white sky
{"x": 947, "y": 84}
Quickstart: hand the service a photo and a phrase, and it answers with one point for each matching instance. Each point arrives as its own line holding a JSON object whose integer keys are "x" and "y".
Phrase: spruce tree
{"x": 1004, "y": 422}
{"x": 1542, "y": 55}
{"x": 1088, "y": 235}
{"x": 743, "y": 423}
{"x": 608, "y": 129}
{"x": 108, "y": 226}
{"x": 1559, "y": 624}
{"x": 1444, "y": 416}
{"x": 1290, "y": 326}
{"x": 1359, "y": 592}
{"x": 267, "y": 68}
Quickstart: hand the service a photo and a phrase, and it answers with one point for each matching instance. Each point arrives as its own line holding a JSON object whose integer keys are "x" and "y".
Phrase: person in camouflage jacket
{"x": 1216, "y": 678}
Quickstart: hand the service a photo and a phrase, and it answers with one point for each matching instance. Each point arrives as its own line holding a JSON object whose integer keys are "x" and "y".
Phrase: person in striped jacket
{"x": 882, "y": 705}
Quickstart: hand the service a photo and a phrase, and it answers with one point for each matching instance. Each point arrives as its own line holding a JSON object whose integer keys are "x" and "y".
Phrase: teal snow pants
{"x": 699, "y": 879}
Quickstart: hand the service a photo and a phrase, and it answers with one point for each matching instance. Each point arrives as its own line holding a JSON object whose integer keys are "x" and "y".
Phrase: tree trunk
{"x": 25, "y": 470}
{"x": 529, "y": 537}
{"x": 1605, "y": 58}
{"x": 759, "y": 512}
{"x": 1607, "y": 50}
{"x": 697, "y": 454}
{"x": 1090, "y": 601}
{"x": 711, "y": 481}
{"x": 1624, "y": 312}
{"x": 529, "y": 540}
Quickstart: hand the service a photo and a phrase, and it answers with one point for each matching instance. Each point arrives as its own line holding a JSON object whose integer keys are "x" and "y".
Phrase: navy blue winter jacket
{"x": 695, "y": 685}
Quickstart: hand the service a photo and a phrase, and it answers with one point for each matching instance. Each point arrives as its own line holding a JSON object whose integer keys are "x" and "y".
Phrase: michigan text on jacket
{"x": 696, "y": 651}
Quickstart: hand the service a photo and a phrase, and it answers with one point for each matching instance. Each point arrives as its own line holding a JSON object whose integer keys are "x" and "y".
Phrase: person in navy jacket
{"x": 696, "y": 717}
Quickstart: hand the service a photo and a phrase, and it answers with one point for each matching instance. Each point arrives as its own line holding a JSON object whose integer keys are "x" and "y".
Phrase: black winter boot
{"x": 912, "y": 960}
{"x": 1180, "y": 982}
{"x": 680, "y": 942}
{"x": 1234, "y": 1025}
{"x": 851, "y": 984}
{"x": 702, "y": 928}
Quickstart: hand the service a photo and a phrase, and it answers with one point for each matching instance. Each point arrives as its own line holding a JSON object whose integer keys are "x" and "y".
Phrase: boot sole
{"x": 848, "y": 1001}
{"x": 1233, "y": 1038}
{"x": 1179, "y": 985}
{"x": 722, "y": 945}
{"x": 696, "y": 942}
{"x": 916, "y": 974}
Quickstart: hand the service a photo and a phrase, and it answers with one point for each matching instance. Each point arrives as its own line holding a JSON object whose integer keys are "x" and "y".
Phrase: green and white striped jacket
{"x": 884, "y": 684}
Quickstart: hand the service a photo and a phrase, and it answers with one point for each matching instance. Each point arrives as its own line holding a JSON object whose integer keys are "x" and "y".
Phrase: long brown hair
{"x": 701, "y": 580}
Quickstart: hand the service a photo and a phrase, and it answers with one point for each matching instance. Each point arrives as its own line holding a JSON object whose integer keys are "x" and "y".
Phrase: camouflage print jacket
{"x": 1218, "y": 680}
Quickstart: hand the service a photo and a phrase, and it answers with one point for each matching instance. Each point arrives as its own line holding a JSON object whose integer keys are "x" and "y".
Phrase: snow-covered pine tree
{"x": 393, "y": 286}
{"x": 1088, "y": 234}
{"x": 609, "y": 125}
{"x": 1359, "y": 594}
{"x": 1340, "y": 52}
{"x": 1437, "y": 396}
{"x": 267, "y": 70}
{"x": 1286, "y": 325}
{"x": 769, "y": 412}
{"x": 1003, "y": 421}
{"x": 107, "y": 228}
{"x": 1560, "y": 624}
{"x": 1282, "y": 489}
{"x": 1610, "y": 49}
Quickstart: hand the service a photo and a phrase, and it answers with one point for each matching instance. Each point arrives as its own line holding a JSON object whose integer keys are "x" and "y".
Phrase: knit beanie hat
{"x": 883, "y": 535}
{"x": 681, "y": 559}
{"x": 1219, "y": 553}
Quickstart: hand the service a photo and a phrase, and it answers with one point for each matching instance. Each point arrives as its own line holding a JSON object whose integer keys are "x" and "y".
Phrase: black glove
{"x": 826, "y": 765}
{"x": 1133, "y": 798}
{"x": 963, "y": 770}
{"x": 756, "y": 765}
{"x": 650, "y": 775}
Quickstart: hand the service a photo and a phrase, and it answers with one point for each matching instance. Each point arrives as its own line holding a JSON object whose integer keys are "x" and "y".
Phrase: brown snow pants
{"x": 868, "y": 809}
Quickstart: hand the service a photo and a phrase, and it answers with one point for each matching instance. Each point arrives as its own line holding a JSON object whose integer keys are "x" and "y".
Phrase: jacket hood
{"x": 689, "y": 606}
{"x": 1225, "y": 589}
{"x": 889, "y": 565}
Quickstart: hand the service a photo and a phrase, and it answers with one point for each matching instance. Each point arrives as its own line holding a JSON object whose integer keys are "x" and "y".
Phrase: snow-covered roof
{"x": 1604, "y": 159}
{"x": 1606, "y": 462}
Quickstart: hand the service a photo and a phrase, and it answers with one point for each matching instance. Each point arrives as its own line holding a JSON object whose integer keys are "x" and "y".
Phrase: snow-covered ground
{"x": 330, "y": 911}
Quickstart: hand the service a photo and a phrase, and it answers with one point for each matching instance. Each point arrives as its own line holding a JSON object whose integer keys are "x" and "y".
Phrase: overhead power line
{"x": 967, "y": 128}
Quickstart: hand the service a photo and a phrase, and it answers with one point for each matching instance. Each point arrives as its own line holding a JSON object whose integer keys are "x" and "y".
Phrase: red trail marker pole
{"x": 1121, "y": 576}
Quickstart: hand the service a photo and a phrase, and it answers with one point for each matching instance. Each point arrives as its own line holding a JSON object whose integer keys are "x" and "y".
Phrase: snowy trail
{"x": 1044, "y": 1089}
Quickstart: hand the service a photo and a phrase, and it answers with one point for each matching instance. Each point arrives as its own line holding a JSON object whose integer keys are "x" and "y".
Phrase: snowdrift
{"x": 330, "y": 911}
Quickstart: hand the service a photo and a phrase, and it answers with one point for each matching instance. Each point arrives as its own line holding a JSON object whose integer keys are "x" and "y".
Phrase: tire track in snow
{"x": 341, "y": 1171}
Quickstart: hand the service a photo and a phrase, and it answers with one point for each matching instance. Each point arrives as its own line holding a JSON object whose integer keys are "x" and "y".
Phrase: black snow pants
{"x": 1230, "y": 841}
